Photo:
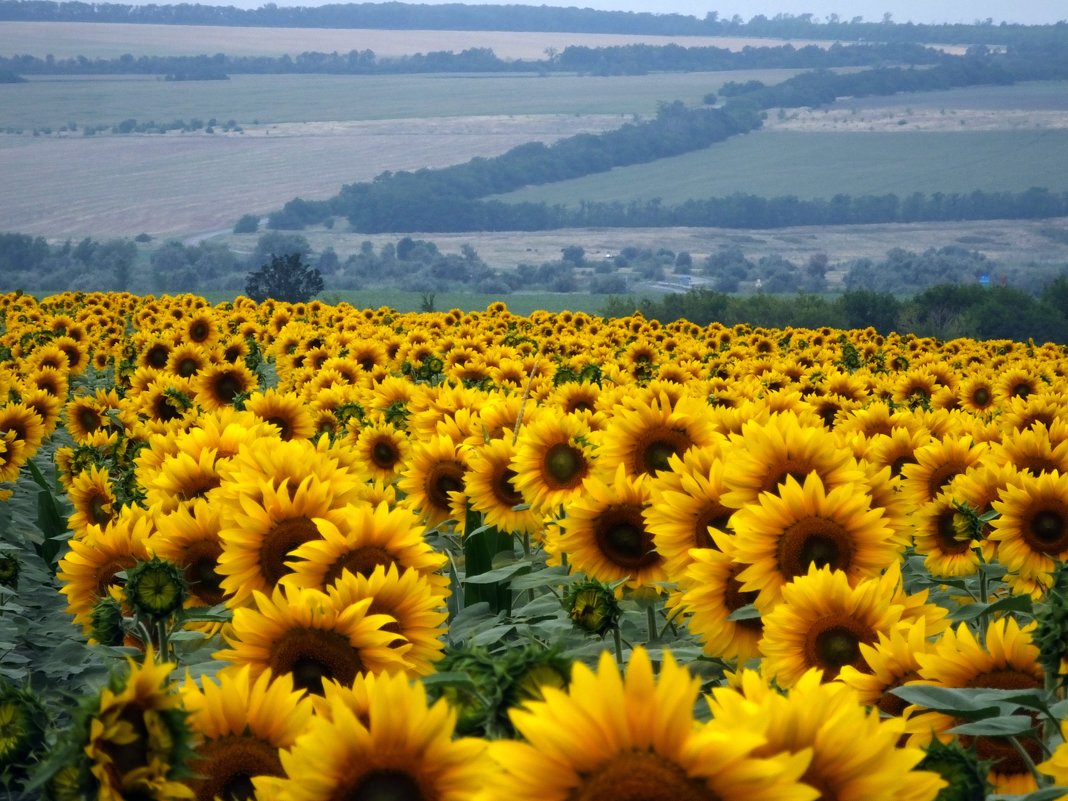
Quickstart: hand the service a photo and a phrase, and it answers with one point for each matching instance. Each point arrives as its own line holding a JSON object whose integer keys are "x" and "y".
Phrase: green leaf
{"x": 747, "y": 612}
{"x": 454, "y": 677}
{"x": 499, "y": 574}
{"x": 958, "y": 701}
{"x": 1045, "y": 794}
{"x": 1003, "y": 726}
{"x": 1010, "y": 603}
{"x": 543, "y": 578}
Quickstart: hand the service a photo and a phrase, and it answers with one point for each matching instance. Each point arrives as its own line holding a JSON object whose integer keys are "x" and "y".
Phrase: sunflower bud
{"x": 530, "y": 670}
{"x": 22, "y": 720}
{"x": 476, "y": 700}
{"x": 9, "y": 571}
{"x": 156, "y": 588}
{"x": 106, "y": 621}
{"x": 965, "y": 775}
{"x": 1051, "y": 633}
{"x": 592, "y": 606}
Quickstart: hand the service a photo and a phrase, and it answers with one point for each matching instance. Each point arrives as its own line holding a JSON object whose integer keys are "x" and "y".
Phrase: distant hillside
{"x": 457, "y": 16}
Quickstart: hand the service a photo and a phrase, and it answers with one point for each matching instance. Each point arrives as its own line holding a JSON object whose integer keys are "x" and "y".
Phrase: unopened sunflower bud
{"x": 9, "y": 571}
{"x": 965, "y": 775}
{"x": 592, "y": 606}
{"x": 22, "y": 724}
{"x": 106, "y": 622}
{"x": 156, "y": 588}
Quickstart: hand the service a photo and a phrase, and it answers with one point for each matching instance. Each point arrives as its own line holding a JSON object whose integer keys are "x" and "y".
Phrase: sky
{"x": 1030, "y": 12}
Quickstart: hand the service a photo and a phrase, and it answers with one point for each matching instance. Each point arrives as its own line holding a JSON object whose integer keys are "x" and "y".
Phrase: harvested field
{"x": 110, "y": 40}
{"x": 182, "y": 184}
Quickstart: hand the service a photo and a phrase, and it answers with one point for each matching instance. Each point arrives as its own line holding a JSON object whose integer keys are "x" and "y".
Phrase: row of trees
{"x": 457, "y": 16}
{"x": 28, "y": 262}
{"x": 454, "y": 198}
{"x": 945, "y": 310}
{"x": 630, "y": 59}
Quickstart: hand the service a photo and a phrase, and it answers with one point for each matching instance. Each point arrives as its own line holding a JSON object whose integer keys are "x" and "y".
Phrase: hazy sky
{"x": 1033, "y": 12}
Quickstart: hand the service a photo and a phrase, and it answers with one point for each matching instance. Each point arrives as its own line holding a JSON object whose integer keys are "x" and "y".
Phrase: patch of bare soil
{"x": 916, "y": 120}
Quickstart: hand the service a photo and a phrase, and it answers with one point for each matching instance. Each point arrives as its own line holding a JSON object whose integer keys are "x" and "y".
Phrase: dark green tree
{"x": 286, "y": 278}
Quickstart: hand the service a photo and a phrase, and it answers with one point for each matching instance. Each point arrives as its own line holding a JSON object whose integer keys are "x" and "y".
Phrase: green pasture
{"x": 55, "y": 101}
{"x": 821, "y": 165}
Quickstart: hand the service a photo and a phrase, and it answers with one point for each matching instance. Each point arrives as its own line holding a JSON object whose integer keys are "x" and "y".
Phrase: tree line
{"x": 623, "y": 60}
{"x": 457, "y": 16}
{"x": 946, "y": 311}
{"x": 457, "y": 198}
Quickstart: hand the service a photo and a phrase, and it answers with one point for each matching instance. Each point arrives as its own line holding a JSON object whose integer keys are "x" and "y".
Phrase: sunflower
{"x": 611, "y": 737}
{"x": 1008, "y": 661}
{"x": 88, "y": 570}
{"x": 763, "y": 455}
{"x": 895, "y": 449}
{"x": 685, "y": 505}
{"x": 782, "y": 536}
{"x": 308, "y": 634}
{"x": 553, "y": 454}
{"x": 821, "y": 623}
{"x": 433, "y": 480}
{"x": 645, "y": 437}
{"x": 360, "y": 537}
{"x": 242, "y": 725}
{"x": 1032, "y": 450}
{"x": 284, "y": 410}
{"x": 21, "y": 426}
{"x": 713, "y": 593}
{"x": 1017, "y": 382}
{"x": 891, "y": 662}
{"x": 401, "y": 747}
{"x": 604, "y": 534}
{"x": 219, "y": 384}
{"x": 491, "y": 489}
{"x": 853, "y": 753}
{"x": 259, "y": 538}
{"x": 185, "y": 361}
{"x": 1031, "y": 530}
{"x": 944, "y": 538}
{"x": 181, "y": 479}
{"x": 1057, "y": 765}
{"x": 937, "y": 463}
{"x": 416, "y": 605}
{"x": 189, "y": 538}
{"x": 138, "y": 736}
{"x": 976, "y": 393}
{"x": 93, "y": 500}
{"x": 50, "y": 380}
{"x": 45, "y": 405}
{"x": 201, "y": 328}
{"x": 382, "y": 452}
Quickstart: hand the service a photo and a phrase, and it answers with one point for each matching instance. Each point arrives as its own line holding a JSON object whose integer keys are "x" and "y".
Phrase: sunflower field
{"x": 302, "y": 552}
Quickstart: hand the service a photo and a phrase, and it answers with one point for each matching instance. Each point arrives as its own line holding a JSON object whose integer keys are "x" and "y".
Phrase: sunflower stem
{"x": 619, "y": 645}
{"x": 164, "y": 645}
{"x": 1040, "y": 780}
{"x": 650, "y": 619}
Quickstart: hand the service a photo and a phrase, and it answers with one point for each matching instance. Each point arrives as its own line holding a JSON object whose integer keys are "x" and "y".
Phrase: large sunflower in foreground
{"x": 360, "y": 537}
{"x": 783, "y": 535}
{"x": 242, "y": 724}
{"x": 937, "y": 463}
{"x": 605, "y": 535}
{"x": 614, "y": 738}
{"x": 402, "y": 748}
{"x": 92, "y": 498}
{"x": 305, "y": 632}
{"x": 821, "y": 623}
{"x": 138, "y": 737}
{"x": 1031, "y": 530}
{"x": 854, "y": 754}
{"x": 1007, "y": 661}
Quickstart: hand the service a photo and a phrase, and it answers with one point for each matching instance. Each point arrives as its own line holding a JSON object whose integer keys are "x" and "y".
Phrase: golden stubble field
{"x": 183, "y": 184}
{"x": 107, "y": 40}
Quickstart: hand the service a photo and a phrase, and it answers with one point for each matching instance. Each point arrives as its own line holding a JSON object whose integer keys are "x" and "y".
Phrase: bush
{"x": 249, "y": 224}
{"x": 285, "y": 278}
